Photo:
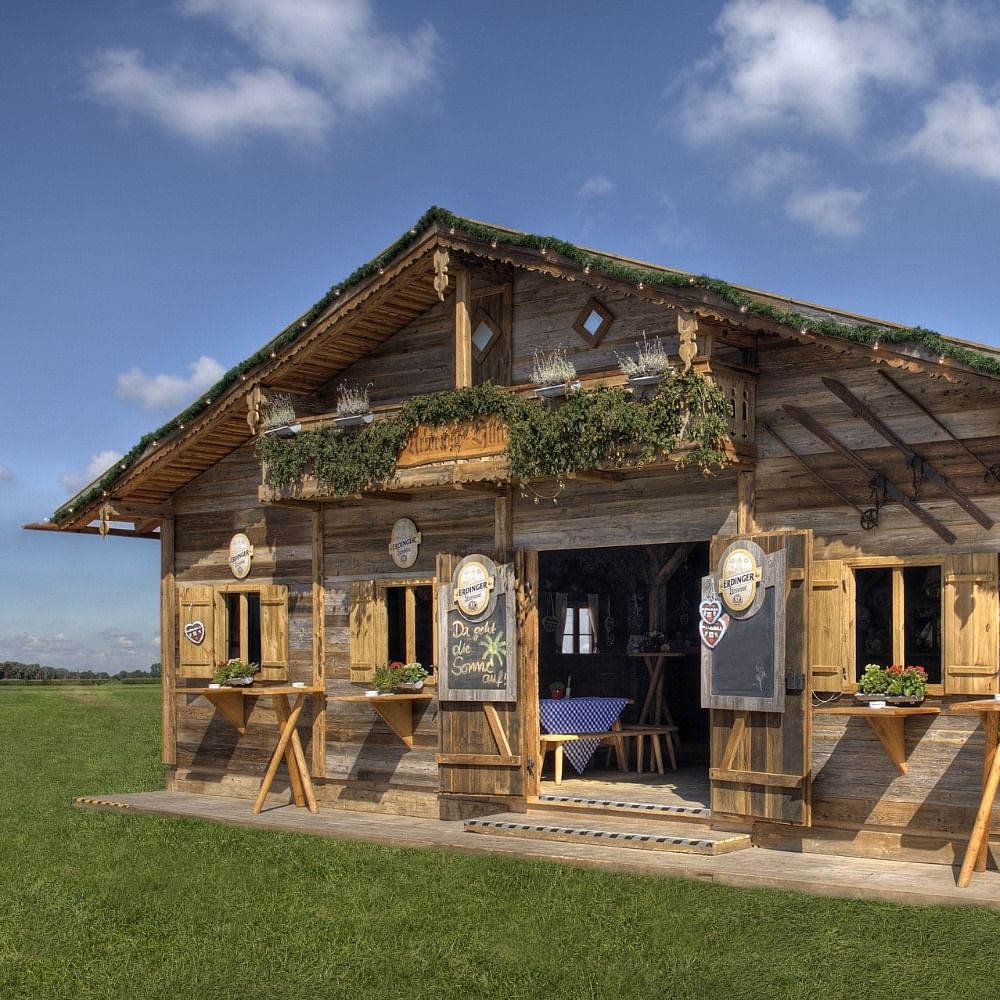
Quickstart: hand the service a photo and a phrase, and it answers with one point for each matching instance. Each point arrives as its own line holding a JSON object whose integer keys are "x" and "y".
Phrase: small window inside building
{"x": 898, "y": 618}
{"x": 485, "y": 335}
{"x": 410, "y": 620}
{"x": 578, "y": 634}
{"x": 593, "y": 322}
{"x": 243, "y": 626}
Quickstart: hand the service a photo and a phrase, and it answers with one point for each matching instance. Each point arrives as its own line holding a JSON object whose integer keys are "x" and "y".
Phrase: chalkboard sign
{"x": 743, "y": 662}
{"x": 477, "y": 633}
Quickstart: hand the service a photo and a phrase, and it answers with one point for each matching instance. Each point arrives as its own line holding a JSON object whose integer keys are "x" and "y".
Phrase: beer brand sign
{"x": 739, "y": 578}
{"x": 240, "y": 556}
{"x": 475, "y": 582}
{"x": 404, "y": 543}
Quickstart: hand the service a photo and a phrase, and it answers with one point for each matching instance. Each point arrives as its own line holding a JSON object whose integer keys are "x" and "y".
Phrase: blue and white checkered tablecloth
{"x": 579, "y": 715}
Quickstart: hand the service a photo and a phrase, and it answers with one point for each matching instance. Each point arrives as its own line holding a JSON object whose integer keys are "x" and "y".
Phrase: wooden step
{"x": 626, "y": 807}
{"x": 611, "y": 831}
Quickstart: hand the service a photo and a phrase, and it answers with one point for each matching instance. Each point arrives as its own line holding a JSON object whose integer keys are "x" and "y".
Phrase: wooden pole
{"x": 318, "y": 637}
{"x": 746, "y": 501}
{"x": 463, "y": 329}
{"x": 168, "y": 644}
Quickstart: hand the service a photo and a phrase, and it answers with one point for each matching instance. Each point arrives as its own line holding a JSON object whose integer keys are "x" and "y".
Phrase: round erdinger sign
{"x": 404, "y": 544}
{"x": 473, "y": 586}
{"x": 738, "y": 579}
{"x": 240, "y": 556}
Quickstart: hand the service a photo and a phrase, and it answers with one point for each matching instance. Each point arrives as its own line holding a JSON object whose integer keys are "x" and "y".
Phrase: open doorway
{"x": 621, "y": 625}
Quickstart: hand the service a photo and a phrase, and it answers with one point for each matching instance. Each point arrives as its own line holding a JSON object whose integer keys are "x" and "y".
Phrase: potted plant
{"x": 557, "y": 689}
{"x": 353, "y": 407}
{"x": 235, "y": 673}
{"x": 650, "y": 364}
{"x": 553, "y": 373}
{"x": 895, "y": 685}
{"x": 399, "y": 677}
{"x": 278, "y": 417}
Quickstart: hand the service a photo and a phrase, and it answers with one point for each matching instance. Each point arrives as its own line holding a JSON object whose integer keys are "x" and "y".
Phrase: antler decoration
{"x": 687, "y": 327}
{"x": 441, "y": 261}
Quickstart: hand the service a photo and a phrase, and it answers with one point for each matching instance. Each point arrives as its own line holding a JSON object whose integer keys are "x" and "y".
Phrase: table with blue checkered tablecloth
{"x": 580, "y": 715}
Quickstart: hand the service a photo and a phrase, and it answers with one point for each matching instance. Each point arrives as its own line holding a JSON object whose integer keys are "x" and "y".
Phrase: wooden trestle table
{"x": 979, "y": 839}
{"x": 232, "y": 703}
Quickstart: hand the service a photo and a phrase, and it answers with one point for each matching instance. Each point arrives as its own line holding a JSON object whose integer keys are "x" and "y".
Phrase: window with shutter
{"x": 196, "y": 613}
{"x": 827, "y": 626}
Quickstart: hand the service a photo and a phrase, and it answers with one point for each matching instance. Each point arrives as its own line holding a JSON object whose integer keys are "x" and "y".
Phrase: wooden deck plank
{"x": 822, "y": 875}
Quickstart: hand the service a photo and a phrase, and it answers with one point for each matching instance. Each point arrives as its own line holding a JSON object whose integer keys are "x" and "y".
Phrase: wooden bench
{"x": 615, "y": 739}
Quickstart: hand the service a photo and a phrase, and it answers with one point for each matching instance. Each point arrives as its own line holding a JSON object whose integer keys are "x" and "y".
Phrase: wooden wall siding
{"x": 856, "y": 785}
{"x": 647, "y": 507}
{"x": 544, "y": 311}
{"x": 417, "y": 359}
{"x": 360, "y": 747}
{"x": 787, "y": 496}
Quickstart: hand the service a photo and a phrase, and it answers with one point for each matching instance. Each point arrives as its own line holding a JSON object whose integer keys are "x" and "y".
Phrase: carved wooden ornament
{"x": 687, "y": 328}
{"x": 441, "y": 262}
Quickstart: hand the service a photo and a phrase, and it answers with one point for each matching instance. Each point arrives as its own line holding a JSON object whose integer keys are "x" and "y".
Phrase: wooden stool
{"x": 556, "y": 740}
{"x": 654, "y": 732}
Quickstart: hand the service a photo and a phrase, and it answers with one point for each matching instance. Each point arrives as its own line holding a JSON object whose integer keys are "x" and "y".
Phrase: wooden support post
{"x": 746, "y": 501}
{"x": 168, "y": 644}
{"x": 463, "y": 329}
{"x": 318, "y": 641}
{"x": 503, "y": 525}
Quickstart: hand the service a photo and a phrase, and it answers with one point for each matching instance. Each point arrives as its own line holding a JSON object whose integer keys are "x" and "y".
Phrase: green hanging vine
{"x": 586, "y": 431}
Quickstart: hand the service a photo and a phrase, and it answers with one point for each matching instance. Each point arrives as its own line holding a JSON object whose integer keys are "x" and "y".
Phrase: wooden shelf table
{"x": 231, "y": 703}
{"x": 396, "y": 710}
{"x": 887, "y": 723}
{"x": 975, "y": 854}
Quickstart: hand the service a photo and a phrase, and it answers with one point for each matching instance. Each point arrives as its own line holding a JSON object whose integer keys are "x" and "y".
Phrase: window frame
{"x": 409, "y": 605}
{"x": 574, "y": 605}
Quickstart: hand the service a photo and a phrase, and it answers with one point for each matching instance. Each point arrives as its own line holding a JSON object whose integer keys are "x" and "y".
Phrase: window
{"x": 233, "y": 620}
{"x": 578, "y": 618}
{"x": 593, "y": 322}
{"x": 390, "y": 620}
{"x": 898, "y": 618}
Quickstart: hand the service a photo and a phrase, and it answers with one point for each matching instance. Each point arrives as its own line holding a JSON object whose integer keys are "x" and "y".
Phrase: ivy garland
{"x": 587, "y": 430}
{"x": 864, "y": 333}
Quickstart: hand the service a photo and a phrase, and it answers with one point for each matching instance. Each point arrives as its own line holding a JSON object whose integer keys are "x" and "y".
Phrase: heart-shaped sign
{"x": 195, "y": 631}
{"x": 712, "y": 632}
{"x": 710, "y": 610}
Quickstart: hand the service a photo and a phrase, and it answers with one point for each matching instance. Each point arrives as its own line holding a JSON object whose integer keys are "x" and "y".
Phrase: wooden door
{"x": 760, "y": 765}
{"x": 479, "y": 742}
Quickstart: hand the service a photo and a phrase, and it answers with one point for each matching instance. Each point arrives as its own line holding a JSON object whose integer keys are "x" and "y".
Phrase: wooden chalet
{"x": 861, "y": 458}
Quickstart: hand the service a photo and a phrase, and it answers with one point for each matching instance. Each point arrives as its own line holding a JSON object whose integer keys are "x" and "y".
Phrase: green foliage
{"x": 909, "y": 681}
{"x": 864, "y": 333}
{"x": 586, "y": 431}
{"x": 386, "y": 678}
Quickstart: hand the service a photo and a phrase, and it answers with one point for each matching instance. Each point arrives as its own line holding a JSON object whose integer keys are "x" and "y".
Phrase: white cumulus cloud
{"x": 156, "y": 392}
{"x": 306, "y": 62}
{"x": 73, "y": 482}
{"x": 800, "y": 64}
{"x": 830, "y": 211}
{"x": 593, "y": 187}
{"x": 961, "y": 131}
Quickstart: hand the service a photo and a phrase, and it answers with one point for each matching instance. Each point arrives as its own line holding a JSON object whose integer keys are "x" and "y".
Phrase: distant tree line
{"x": 10, "y": 670}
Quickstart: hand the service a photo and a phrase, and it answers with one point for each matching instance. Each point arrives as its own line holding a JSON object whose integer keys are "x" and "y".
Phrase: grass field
{"x": 97, "y": 904}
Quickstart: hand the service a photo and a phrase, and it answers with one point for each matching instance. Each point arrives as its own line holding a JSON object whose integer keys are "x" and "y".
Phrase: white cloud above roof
{"x": 596, "y": 186}
{"x": 830, "y": 211}
{"x": 307, "y": 63}
{"x": 169, "y": 392}
{"x": 73, "y": 482}
{"x": 797, "y": 64}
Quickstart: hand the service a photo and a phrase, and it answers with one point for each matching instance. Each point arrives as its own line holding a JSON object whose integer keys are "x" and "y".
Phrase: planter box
{"x": 354, "y": 420}
{"x": 284, "y": 431}
{"x": 889, "y": 699}
{"x": 555, "y": 391}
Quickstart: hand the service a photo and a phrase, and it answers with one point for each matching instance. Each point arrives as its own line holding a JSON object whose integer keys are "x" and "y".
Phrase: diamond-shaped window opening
{"x": 485, "y": 336}
{"x": 593, "y": 322}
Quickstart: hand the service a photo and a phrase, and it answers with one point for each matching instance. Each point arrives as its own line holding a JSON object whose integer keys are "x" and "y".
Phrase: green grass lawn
{"x": 96, "y": 904}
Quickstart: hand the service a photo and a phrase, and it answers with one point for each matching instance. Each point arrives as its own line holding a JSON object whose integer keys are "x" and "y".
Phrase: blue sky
{"x": 182, "y": 178}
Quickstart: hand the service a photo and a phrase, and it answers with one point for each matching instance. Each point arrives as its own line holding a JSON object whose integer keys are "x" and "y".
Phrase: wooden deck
{"x": 823, "y": 875}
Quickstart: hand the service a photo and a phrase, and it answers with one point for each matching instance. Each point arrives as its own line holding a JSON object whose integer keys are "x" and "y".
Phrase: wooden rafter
{"x": 872, "y": 475}
{"x": 864, "y": 412}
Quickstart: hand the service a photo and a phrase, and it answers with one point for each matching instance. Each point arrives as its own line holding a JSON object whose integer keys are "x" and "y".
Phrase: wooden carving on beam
{"x": 107, "y": 515}
{"x": 687, "y": 328}
{"x": 253, "y": 408}
{"x": 441, "y": 262}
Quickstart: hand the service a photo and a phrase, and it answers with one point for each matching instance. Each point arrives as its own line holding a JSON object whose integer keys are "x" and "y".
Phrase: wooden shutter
{"x": 369, "y": 638}
{"x": 196, "y": 604}
{"x": 827, "y": 633}
{"x": 970, "y": 623}
{"x": 274, "y": 632}
{"x": 760, "y": 761}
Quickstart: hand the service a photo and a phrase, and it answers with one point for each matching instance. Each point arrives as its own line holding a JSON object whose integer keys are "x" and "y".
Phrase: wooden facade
{"x": 323, "y": 588}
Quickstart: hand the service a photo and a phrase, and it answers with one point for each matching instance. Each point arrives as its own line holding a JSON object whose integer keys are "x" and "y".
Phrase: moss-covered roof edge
{"x": 863, "y": 333}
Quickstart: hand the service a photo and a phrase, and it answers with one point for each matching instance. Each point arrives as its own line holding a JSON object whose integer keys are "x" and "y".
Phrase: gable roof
{"x": 390, "y": 290}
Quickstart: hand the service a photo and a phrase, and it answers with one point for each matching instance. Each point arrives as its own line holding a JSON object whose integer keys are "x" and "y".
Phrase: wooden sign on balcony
{"x": 480, "y": 438}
